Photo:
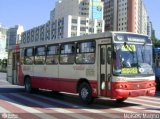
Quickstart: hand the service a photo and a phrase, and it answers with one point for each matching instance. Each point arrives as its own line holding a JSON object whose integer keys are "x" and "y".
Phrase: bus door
{"x": 105, "y": 70}
{"x": 15, "y": 70}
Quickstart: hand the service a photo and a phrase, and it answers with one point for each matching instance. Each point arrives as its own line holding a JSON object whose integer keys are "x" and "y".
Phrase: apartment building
{"x": 69, "y": 18}
{"x": 125, "y": 15}
{"x": 14, "y": 36}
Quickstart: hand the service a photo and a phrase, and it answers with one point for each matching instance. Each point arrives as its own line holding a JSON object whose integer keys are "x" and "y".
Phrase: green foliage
{"x": 155, "y": 41}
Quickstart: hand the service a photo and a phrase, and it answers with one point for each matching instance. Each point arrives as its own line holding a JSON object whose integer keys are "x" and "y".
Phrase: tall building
{"x": 14, "y": 36}
{"x": 143, "y": 19}
{"x": 150, "y": 30}
{"x": 125, "y": 15}
{"x": 110, "y": 14}
{"x": 76, "y": 17}
{"x": 3, "y": 38}
{"x": 69, "y": 18}
{"x": 149, "y": 27}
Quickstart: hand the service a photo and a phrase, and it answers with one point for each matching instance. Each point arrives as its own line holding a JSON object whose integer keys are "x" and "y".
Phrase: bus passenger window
{"x": 28, "y": 56}
{"x": 67, "y": 53}
{"x": 85, "y": 53}
{"x": 40, "y": 55}
{"x": 52, "y": 54}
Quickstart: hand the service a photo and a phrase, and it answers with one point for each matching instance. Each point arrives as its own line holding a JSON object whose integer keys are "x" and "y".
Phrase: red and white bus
{"x": 117, "y": 65}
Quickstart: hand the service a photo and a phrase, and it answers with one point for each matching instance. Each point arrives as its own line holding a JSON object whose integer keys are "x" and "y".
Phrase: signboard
{"x": 131, "y": 38}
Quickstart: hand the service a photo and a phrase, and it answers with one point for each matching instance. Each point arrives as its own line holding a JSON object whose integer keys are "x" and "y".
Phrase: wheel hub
{"x": 84, "y": 93}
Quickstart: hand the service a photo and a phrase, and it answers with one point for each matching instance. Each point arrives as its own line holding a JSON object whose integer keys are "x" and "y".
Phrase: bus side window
{"x": 67, "y": 53}
{"x": 40, "y": 55}
{"x": 85, "y": 53}
{"x": 52, "y": 54}
{"x": 28, "y": 56}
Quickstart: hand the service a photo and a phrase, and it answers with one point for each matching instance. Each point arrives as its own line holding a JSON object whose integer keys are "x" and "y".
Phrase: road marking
{"x": 3, "y": 110}
{"x": 143, "y": 100}
{"x": 28, "y": 109}
{"x": 103, "y": 113}
{"x": 144, "y": 104}
{"x": 59, "y": 110}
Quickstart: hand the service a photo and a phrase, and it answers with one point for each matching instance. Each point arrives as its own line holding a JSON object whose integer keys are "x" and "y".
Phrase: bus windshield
{"x": 132, "y": 59}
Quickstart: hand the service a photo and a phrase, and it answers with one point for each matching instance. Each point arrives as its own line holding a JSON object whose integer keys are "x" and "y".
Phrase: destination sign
{"x": 131, "y": 38}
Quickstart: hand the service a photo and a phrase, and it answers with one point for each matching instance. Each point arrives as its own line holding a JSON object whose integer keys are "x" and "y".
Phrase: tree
{"x": 155, "y": 41}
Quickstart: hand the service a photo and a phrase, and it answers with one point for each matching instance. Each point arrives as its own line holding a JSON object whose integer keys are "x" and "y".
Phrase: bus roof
{"x": 74, "y": 39}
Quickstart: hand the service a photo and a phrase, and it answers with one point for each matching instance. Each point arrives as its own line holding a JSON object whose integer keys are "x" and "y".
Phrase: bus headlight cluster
{"x": 121, "y": 86}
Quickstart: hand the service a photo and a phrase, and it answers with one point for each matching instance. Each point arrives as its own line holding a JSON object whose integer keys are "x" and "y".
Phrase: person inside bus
{"x": 54, "y": 61}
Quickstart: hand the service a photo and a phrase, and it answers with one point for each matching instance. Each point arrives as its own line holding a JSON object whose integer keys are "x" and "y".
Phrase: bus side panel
{"x": 46, "y": 76}
{"x": 68, "y": 78}
{"x": 39, "y": 74}
{"x": 69, "y": 75}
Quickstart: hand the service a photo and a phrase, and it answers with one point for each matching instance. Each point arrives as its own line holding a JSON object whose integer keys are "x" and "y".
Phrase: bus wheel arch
{"x": 85, "y": 91}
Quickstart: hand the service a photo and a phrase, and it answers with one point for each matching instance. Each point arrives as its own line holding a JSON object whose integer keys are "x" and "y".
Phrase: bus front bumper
{"x": 122, "y": 93}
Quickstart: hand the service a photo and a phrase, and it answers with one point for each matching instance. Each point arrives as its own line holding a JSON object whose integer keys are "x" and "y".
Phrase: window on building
{"x": 82, "y": 28}
{"x": 73, "y": 34}
{"x": 83, "y": 22}
{"x": 74, "y": 27}
{"x": 74, "y": 21}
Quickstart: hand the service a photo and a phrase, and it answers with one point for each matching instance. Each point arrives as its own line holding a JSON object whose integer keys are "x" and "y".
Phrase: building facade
{"x": 3, "y": 39}
{"x": 14, "y": 36}
{"x": 125, "y": 15}
{"x": 69, "y": 18}
{"x": 143, "y": 19}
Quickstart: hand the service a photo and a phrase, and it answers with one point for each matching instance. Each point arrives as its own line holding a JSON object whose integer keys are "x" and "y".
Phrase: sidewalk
{"x": 3, "y": 77}
{"x": 6, "y": 87}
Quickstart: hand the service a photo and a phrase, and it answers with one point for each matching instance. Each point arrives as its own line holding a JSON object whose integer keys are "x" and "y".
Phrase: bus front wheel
{"x": 85, "y": 93}
{"x": 120, "y": 100}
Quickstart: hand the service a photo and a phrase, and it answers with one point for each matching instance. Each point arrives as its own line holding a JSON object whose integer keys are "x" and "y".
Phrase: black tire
{"x": 55, "y": 92}
{"x": 85, "y": 93}
{"x": 120, "y": 100}
{"x": 157, "y": 83}
{"x": 28, "y": 86}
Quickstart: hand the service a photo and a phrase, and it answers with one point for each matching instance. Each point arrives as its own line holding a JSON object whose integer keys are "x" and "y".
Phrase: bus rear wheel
{"x": 85, "y": 93}
{"x": 28, "y": 86}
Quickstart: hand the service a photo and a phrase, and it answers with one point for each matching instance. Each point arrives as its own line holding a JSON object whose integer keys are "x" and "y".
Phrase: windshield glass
{"x": 132, "y": 59}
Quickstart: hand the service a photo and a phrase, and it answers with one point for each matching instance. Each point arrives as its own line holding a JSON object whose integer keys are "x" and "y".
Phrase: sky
{"x": 32, "y": 13}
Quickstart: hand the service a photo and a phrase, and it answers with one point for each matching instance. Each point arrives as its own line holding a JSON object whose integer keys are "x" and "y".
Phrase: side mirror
{"x": 109, "y": 52}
